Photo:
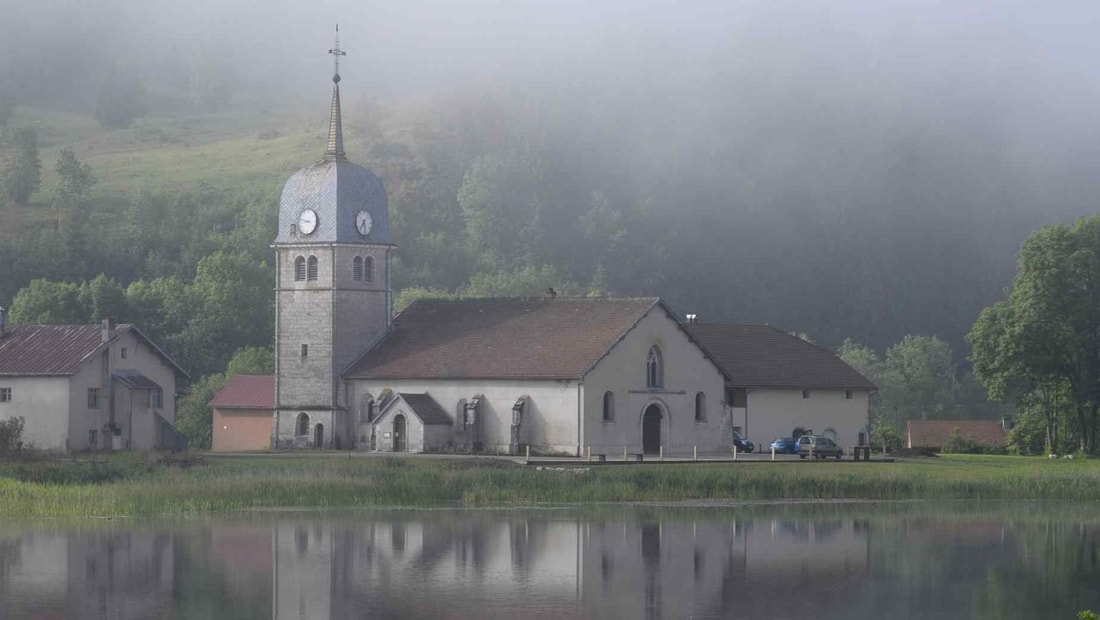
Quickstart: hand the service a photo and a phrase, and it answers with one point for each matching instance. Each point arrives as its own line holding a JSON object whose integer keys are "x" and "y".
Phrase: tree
{"x": 121, "y": 99}
{"x": 20, "y": 168}
{"x": 70, "y": 195}
{"x": 49, "y": 303}
{"x": 918, "y": 380}
{"x": 1046, "y": 336}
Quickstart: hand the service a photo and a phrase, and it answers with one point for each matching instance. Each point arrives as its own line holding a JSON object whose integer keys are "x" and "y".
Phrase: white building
{"x": 88, "y": 387}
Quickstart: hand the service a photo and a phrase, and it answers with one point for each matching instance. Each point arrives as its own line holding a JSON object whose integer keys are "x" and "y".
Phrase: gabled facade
{"x": 88, "y": 387}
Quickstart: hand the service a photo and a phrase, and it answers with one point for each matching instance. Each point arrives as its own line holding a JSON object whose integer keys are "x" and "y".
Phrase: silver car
{"x": 819, "y": 446}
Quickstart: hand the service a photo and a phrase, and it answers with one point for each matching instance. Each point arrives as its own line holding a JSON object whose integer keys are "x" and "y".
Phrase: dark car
{"x": 785, "y": 445}
{"x": 743, "y": 445}
{"x": 819, "y": 446}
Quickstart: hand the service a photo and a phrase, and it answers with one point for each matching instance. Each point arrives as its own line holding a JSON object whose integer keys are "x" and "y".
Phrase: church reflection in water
{"x": 434, "y": 564}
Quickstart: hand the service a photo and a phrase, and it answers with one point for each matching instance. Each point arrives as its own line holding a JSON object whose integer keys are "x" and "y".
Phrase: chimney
{"x": 108, "y": 328}
{"x": 691, "y": 319}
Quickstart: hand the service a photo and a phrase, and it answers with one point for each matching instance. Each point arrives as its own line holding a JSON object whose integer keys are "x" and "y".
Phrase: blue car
{"x": 784, "y": 445}
{"x": 743, "y": 445}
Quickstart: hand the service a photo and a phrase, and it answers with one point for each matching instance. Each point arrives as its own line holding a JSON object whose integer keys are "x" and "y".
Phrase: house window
{"x": 368, "y": 269}
{"x": 93, "y": 439}
{"x": 848, "y": 394}
{"x": 357, "y": 268}
{"x": 305, "y": 351}
{"x": 122, "y": 353}
{"x": 805, "y": 393}
{"x": 156, "y": 399}
{"x": 5, "y": 395}
{"x": 608, "y": 406}
{"x": 303, "y": 424}
{"x": 700, "y": 407}
{"x": 93, "y": 398}
{"x": 311, "y": 268}
{"x": 654, "y": 371}
{"x": 299, "y": 269}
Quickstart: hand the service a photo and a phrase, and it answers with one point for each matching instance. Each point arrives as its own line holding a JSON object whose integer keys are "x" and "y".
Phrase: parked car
{"x": 743, "y": 445}
{"x": 822, "y": 447}
{"x": 784, "y": 445}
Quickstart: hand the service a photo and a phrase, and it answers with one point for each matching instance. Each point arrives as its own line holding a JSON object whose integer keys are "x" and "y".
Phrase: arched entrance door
{"x": 399, "y": 425}
{"x": 651, "y": 430}
{"x": 319, "y": 436}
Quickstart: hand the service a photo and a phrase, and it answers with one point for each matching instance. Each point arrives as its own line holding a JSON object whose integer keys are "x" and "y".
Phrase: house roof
{"x": 760, "y": 356}
{"x": 935, "y": 433}
{"x": 48, "y": 350}
{"x": 134, "y": 379}
{"x": 247, "y": 392}
{"x": 537, "y": 338}
{"x": 425, "y": 408}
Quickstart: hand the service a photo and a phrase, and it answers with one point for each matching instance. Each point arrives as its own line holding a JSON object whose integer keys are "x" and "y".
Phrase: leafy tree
{"x": 20, "y": 168}
{"x": 917, "y": 381}
{"x": 120, "y": 100}
{"x": 49, "y": 303}
{"x": 251, "y": 361}
{"x": 407, "y": 296}
{"x": 526, "y": 281}
{"x": 1046, "y": 335}
{"x": 74, "y": 178}
{"x": 102, "y": 297}
{"x": 162, "y": 308}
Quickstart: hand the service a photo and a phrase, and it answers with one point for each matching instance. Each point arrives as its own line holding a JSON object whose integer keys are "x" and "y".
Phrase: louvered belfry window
{"x": 368, "y": 269}
{"x": 357, "y": 268}
{"x": 311, "y": 268}
{"x": 299, "y": 269}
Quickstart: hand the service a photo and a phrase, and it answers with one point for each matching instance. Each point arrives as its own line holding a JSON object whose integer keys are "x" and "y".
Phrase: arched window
{"x": 311, "y": 268}
{"x": 299, "y": 269}
{"x": 357, "y": 268}
{"x": 366, "y": 409}
{"x": 303, "y": 424}
{"x": 608, "y": 406}
{"x": 700, "y": 407}
{"x": 654, "y": 369}
{"x": 368, "y": 269}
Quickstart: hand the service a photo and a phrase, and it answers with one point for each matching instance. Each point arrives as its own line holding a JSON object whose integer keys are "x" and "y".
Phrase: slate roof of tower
{"x": 49, "y": 350}
{"x": 538, "y": 338}
{"x": 247, "y": 392}
{"x": 337, "y": 190}
{"x": 425, "y": 408}
{"x": 765, "y": 357}
{"x": 935, "y": 433}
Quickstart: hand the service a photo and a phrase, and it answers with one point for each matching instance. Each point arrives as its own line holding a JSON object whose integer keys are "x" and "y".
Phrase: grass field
{"x": 127, "y": 485}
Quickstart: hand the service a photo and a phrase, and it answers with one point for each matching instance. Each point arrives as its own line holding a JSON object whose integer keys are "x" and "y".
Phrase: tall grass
{"x": 325, "y": 482}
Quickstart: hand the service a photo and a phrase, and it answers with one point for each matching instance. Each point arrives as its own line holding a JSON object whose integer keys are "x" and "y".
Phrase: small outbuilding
{"x": 937, "y": 433}
{"x": 411, "y": 423}
{"x": 242, "y": 413}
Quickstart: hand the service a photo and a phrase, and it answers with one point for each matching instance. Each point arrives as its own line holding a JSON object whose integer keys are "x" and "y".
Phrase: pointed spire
{"x": 335, "y": 148}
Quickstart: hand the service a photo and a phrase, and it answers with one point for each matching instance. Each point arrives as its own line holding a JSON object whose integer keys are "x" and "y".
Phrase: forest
{"x": 862, "y": 181}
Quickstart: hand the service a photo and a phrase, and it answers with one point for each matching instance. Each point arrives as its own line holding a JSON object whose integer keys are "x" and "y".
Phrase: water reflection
{"x": 774, "y": 562}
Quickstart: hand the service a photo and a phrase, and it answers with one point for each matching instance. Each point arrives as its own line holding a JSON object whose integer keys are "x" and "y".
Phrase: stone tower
{"x": 332, "y": 297}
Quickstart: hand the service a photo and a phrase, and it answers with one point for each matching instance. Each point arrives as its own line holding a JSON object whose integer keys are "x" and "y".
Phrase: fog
{"x": 860, "y": 169}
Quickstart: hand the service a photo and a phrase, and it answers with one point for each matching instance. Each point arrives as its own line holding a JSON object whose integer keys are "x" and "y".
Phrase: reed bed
{"x": 138, "y": 489}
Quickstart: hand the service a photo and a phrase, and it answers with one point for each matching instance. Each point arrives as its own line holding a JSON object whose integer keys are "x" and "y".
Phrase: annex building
{"x": 561, "y": 375}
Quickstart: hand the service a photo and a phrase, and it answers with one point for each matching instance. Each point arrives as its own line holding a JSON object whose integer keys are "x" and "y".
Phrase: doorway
{"x": 651, "y": 430}
{"x": 319, "y": 436}
{"x": 399, "y": 425}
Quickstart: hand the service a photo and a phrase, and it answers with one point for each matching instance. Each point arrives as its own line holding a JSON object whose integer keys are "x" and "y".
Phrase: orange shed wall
{"x": 241, "y": 429}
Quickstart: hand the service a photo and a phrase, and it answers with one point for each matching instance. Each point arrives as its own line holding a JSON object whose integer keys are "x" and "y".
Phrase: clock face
{"x": 307, "y": 221}
{"x": 363, "y": 223}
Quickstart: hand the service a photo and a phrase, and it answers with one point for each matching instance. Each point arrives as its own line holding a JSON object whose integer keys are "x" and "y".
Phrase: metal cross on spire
{"x": 336, "y": 54}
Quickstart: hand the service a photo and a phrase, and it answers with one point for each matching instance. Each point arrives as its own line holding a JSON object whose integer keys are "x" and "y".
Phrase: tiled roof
{"x": 760, "y": 356}
{"x": 134, "y": 379}
{"x": 501, "y": 338}
{"x": 247, "y": 392}
{"x": 47, "y": 349}
{"x": 58, "y": 349}
{"x": 425, "y": 408}
{"x": 935, "y": 433}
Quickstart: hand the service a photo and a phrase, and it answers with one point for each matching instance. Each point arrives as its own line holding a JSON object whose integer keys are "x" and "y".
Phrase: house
{"x": 242, "y": 413}
{"x": 936, "y": 433}
{"x": 782, "y": 386}
{"x": 88, "y": 387}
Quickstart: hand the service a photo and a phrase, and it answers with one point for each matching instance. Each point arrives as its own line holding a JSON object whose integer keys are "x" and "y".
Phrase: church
{"x": 556, "y": 375}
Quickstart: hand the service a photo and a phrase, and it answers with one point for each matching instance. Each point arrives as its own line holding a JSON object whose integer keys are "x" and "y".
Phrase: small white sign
{"x": 385, "y": 435}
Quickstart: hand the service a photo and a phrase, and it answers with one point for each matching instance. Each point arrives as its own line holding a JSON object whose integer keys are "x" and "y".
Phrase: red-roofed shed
{"x": 242, "y": 414}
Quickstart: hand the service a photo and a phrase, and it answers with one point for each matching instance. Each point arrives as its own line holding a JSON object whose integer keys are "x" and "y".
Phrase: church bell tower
{"x": 332, "y": 297}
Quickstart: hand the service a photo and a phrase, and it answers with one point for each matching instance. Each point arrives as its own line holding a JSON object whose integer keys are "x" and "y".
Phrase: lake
{"x": 784, "y": 560}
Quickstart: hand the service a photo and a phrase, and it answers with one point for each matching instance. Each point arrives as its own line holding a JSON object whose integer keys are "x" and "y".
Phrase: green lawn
{"x": 126, "y": 485}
